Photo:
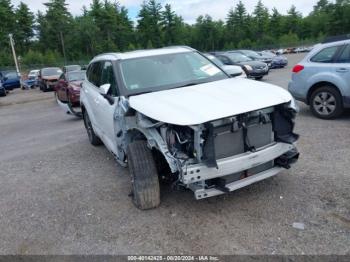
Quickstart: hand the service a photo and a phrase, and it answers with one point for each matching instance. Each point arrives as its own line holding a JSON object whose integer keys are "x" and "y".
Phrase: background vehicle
{"x": 172, "y": 113}
{"x": 32, "y": 80}
{"x": 253, "y": 69}
{"x": 278, "y": 61}
{"x": 48, "y": 78}
{"x": 2, "y": 90}
{"x": 10, "y": 80}
{"x": 322, "y": 79}
{"x": 232, "y": 70}
{"x": 68, "y": 87}
{"x": 254, "y": 56}
{"x": 70, "y": 68}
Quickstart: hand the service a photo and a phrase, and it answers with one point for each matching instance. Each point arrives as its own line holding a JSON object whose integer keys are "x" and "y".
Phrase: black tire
{"x": 93, "y": 138}
{"x": 259, "y": 78}
{"x": 326, "y": 103}
{"x": 144, "y": 176}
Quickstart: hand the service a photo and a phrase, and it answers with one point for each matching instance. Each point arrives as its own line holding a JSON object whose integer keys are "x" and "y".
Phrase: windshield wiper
{"x": 189, "y": 84}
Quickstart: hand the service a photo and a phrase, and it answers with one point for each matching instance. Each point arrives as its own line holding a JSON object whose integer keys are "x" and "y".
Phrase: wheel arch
{"x": 155, "y": 142}
{"x": 318, "y": 85}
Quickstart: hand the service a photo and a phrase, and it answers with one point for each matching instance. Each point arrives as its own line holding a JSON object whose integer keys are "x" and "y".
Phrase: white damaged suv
{"x": 171, "y": 113}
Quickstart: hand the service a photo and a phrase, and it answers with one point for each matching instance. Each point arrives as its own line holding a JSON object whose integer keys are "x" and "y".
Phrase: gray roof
{"x": 142, "y": 53}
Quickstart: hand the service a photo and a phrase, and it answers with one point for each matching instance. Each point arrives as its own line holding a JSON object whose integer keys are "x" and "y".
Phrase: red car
{"x": 68, "y": 87}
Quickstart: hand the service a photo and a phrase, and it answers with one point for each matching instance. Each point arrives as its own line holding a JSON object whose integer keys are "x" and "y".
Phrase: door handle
{"x": 342, "y": 70}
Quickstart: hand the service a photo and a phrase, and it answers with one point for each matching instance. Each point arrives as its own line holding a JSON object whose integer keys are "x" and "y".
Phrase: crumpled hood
{"x": 202, "y": 103}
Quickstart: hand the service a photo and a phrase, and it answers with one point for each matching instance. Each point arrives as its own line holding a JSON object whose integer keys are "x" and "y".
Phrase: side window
{"x": 224, "y": 59}
{"x": 94, "y": 74}
{"x": 326, "y": 55}
{"x": 345, "y": 55}
{"x": 108, "y": 77}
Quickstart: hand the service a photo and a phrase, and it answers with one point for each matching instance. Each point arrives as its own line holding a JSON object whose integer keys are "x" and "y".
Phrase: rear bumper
{"x": 297, "y": 93}
{"x": 235, "y": 164}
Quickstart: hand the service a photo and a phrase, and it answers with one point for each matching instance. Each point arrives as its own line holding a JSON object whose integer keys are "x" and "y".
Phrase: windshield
{"x": 268, "y": 54}
{"x": 238, "y": 58}
{"x": 251, "y": 53}
{"x": 76, "y": 76}
{"x": 51, "y": 72}
{"x": 215, "y": 60}
{"x": 72, "y": 68}
{"x": 147, "y": 74}
{"x": 33, "y": 73}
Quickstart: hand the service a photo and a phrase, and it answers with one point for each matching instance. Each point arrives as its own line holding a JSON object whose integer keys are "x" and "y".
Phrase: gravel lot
{"x": 60, "y": 195}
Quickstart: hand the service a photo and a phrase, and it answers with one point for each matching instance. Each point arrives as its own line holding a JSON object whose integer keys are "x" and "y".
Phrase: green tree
{"x": 54, "y": 25}
{"x": 275, "y": 23}
{"x": 207, "y": 33}
{"x": 237, "y": 24}
{"x": 149, "y": 24}
{"x": 260, "y": 20}
{"x": 172, "y": 26}
{"x": 24, "y": 27}
{"x": 7, "y": 24}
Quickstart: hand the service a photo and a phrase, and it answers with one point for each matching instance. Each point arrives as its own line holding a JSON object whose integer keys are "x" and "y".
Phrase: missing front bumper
{"x": 234, "y": 164}
{"x": 201, "y": 193}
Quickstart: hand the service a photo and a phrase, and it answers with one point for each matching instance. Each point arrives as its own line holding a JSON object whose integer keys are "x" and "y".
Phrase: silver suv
{"x": 322, "y": 79}
{"x": 171, "y": 113}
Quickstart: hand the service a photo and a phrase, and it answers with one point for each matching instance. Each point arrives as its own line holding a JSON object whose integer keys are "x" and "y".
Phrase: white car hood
{"x": 202, "y": 103}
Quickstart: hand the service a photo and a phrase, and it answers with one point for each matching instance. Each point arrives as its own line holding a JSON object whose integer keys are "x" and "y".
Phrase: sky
{"x": 188, "y": 9}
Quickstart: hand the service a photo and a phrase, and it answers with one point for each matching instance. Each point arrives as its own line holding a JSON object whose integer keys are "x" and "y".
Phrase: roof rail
{"x": 337, "y": 38}
{"x": 182, "y": 46}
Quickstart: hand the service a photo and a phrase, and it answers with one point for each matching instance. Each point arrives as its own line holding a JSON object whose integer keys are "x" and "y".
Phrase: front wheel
{"x": 259, "y": 78}
{"x": 144, "y": 176}
{"x": 326, "y": 103}
{"x": 93, "y": 138}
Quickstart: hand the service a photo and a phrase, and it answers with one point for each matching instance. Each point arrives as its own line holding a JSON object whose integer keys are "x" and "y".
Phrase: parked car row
{"x": 293, "y": 50}
{"x": 322, "y": 79}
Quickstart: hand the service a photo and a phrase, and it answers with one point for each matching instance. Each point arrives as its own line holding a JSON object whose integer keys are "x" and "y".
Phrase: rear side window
{"x": 345, "y": 55}
{"x": 326, "y": 55}
{"x": 94, "y": 74}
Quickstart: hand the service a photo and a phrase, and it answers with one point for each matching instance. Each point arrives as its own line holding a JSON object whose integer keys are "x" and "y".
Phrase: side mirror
{"x": 104, "y": 92}
{"x": 104, "y": 89}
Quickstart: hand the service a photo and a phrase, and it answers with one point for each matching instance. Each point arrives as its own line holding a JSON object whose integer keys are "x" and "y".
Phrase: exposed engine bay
{"x": 198, "y": 156}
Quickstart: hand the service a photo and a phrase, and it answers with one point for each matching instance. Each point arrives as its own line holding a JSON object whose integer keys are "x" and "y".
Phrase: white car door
{"x": 105, "y": 109}
{"x": 91, "y": 93}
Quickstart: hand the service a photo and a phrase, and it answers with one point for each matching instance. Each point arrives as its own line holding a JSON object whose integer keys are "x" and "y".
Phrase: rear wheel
{"x": 93, "y": 138}
{"x": 144, "y": 176}
{"x": 326, "y": 103}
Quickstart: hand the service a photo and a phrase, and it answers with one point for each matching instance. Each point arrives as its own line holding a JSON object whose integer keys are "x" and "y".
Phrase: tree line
{"x": 105, "y": 26}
